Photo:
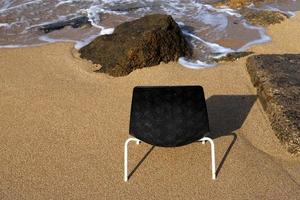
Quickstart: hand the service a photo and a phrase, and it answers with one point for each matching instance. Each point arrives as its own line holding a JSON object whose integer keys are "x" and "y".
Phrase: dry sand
{"x": 62, "y": 130}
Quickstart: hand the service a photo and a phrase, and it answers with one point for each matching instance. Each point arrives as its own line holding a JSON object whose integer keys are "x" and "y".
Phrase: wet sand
{"x": 63, "y": 127}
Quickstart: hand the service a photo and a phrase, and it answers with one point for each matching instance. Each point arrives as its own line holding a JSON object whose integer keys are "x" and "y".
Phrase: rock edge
{"x": 277, "y": 79}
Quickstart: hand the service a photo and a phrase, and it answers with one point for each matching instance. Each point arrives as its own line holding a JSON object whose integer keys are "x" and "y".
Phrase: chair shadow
{"x": 227, "y": 114}
{"x": 141, "y": 162}
{"x": 226, "y": 154}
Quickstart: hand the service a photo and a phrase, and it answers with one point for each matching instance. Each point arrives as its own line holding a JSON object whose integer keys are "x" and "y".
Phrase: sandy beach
{"x": 63, "y": 127}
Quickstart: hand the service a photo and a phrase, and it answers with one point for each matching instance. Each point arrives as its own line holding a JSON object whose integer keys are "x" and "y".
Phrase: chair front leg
{"x": 126, "y": 156}
{"x": 213, "y": 157}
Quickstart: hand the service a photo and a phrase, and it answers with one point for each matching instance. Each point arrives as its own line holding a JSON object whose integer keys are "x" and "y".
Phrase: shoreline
{"x": 62, "y": 130}
{"x": 249, "y": 34}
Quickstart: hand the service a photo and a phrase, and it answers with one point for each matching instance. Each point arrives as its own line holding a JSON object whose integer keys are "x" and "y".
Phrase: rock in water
{"x": 239, "y": 3}
{"x": 277, "y": 78}
{"x": 140, "y": 43}
{"x": 74, "y": 23}
{"x": 263, "y": 17}
{"x": 233, "y": 56}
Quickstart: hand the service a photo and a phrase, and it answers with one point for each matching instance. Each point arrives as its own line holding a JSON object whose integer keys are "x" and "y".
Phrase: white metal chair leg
{"x": 126, "y": 156}
{"x": 205, "y": 135}
{"x": 213, "y": 157}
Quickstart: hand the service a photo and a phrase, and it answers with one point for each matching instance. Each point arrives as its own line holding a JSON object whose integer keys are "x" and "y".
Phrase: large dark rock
{"x": 140, "y": 43}
{"x": 277, "y": 78}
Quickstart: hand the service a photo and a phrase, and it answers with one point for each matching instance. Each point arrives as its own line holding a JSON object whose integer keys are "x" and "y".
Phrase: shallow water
{"x": 213, "y": 32}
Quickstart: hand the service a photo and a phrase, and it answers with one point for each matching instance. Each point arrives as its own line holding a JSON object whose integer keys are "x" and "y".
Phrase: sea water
{"x": 213, "y": 32}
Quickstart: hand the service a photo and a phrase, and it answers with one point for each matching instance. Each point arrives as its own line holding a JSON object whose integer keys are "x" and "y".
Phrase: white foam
{"x": 215, "y": 48}
{"x": 64, "y": 2}
{"x": 197, "y": 64}
{"x": 223, "y": 9}
{"x": 16, "y": 46}
{"x": 6, "y": 4}
{"x": 263, "y": 36}
{"x": 5, "y": 25}
{"x": 20, "y": 6}
{"x": 219, "y": 21}
{"x": 106, "y": 31}
{"x": 93, "y": 15}
{"x": 78, "y": 43}
{"x": 81, "y": 43}
{"x": 46, "y": 38}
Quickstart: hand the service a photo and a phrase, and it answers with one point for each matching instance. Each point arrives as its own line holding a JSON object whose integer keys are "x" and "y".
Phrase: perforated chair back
{"x": 168, "y": 116}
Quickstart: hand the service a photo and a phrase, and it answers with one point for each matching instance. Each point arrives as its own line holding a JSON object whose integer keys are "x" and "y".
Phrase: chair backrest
{"x": 168, "y": 116}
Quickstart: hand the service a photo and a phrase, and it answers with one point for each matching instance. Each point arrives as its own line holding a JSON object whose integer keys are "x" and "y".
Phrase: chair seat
{"x": 168, "y": 116}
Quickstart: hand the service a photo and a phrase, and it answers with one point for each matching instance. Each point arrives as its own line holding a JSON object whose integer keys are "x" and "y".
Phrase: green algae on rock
{"x": 252, "y": 15}
{"x": 144, "y": 42}
{"x": 238, "y": 3}
{"x": 232, "y": 56}
{"x": 263, "y": 17}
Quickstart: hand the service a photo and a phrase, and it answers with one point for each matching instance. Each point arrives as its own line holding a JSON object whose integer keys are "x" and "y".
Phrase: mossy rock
{"x": 232, "y": 56}
{"x": 263, "y": 17}
{"x": 277, "y": 80}
{"x": 238, "y": 3}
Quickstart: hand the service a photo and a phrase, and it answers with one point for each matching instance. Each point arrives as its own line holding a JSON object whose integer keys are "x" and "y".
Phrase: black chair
{"x": 168, "y": 116}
